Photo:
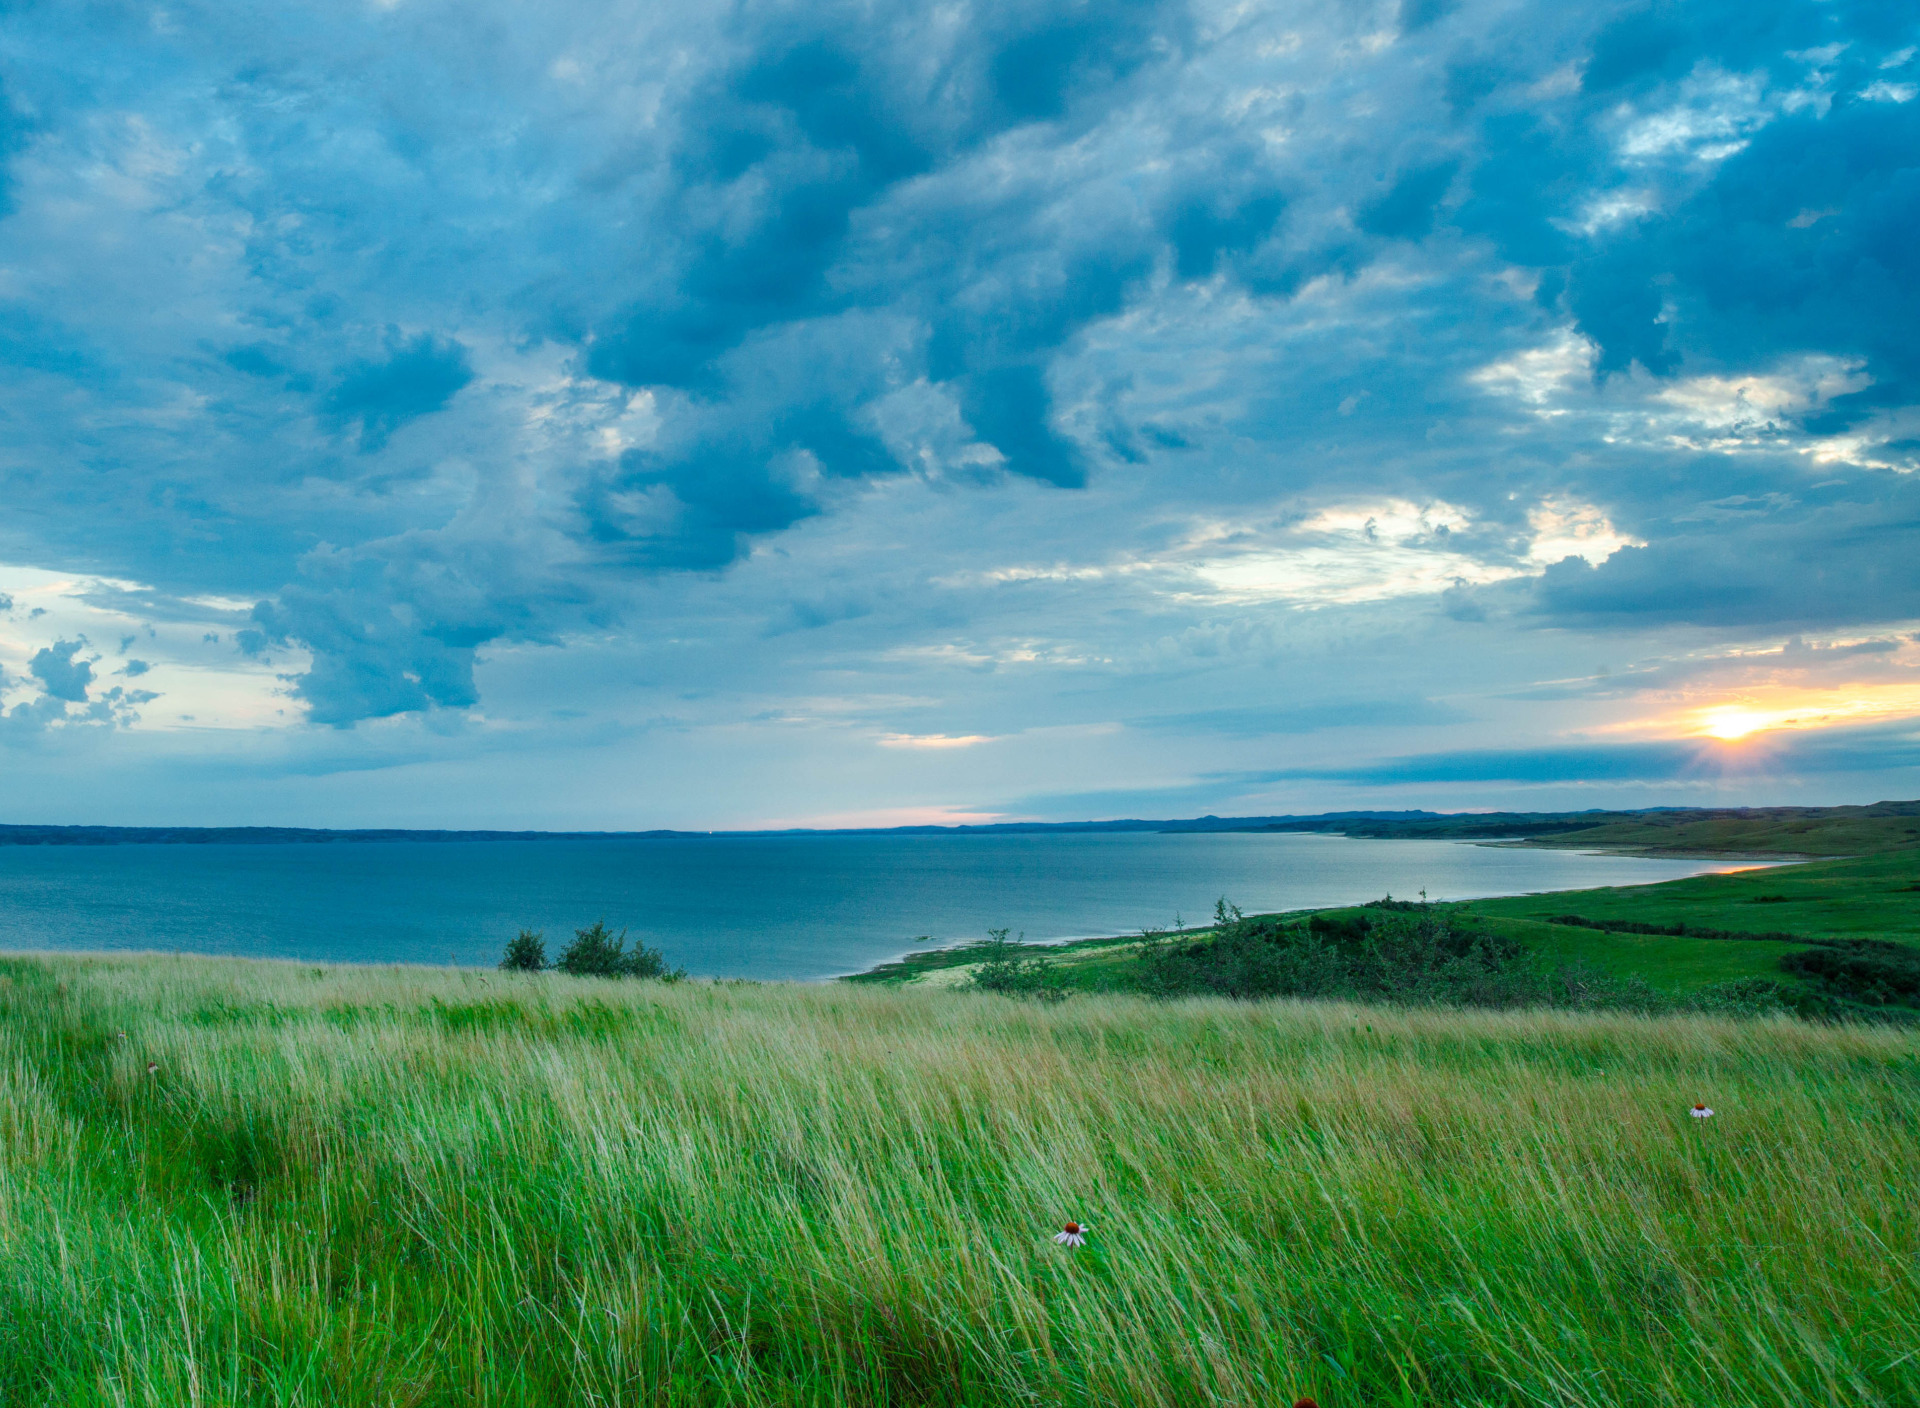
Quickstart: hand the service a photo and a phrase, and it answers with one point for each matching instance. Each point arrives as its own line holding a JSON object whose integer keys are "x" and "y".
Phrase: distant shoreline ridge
{"x": 1402, "y": 825}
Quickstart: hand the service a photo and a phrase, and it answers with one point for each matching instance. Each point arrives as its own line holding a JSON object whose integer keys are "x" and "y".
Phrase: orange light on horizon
{"x": 1737, "y": 714}
{"x": 1730, "y": 722}
{"x": 1733, "y": 723}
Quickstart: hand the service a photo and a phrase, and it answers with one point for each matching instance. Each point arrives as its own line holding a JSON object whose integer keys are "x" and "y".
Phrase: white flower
{"x": 1701, "y": 1112}
{"x": 1072, "y": 1235}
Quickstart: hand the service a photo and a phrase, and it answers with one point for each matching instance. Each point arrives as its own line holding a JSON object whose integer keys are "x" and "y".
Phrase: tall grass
{"x": 360, "y": 1187}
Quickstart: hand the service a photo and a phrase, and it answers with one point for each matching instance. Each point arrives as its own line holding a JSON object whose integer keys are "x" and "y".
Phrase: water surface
{"x": 735, "y": 906}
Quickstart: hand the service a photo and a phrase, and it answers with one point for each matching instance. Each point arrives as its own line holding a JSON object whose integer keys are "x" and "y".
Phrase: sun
{"x": 1732, "y": 722}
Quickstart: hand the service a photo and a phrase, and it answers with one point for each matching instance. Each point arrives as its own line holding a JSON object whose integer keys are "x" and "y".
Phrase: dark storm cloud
{"x": 1824, "y": 564}
{"x": 379, "y": 396}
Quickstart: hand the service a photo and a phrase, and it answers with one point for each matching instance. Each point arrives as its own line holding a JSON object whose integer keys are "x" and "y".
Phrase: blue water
{"x": 753, "y": 906}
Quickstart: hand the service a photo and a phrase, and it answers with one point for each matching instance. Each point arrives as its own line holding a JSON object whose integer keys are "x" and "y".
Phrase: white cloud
{"x": 184, "y": 647}
{"x": 1764, "y": 401}
{"x": 1564, "y": 528}
{"x": 1541, "y": 375}
{"x": 1353, "y": 553}
{"x": 1717, "y": 111}
{"x": 1881, "y": 91}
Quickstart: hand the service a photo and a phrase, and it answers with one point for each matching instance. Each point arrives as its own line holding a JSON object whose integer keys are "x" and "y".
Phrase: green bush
{"x": 599, "y": 953}
{"x": 1421, "y": 955}
{"x": 1393, "y": 951}
{"x": 1760, "y": 997}
{"x": 1868, "y": 971}
{"x": 1008, "y": 966}
{"x": 526, "y": 953}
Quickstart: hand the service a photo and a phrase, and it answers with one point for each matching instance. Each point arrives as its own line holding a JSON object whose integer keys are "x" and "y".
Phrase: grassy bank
{"x": 1873, "y": 897}
{"x": 417, "y": 1187}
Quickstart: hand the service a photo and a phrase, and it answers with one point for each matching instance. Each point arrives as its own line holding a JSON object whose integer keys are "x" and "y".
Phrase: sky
{"x": 625, "y": 415}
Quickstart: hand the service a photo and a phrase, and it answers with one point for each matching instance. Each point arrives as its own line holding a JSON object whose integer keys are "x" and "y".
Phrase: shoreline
{"x": 912, "y": 966}
{"x": 912, "y": 963}
{"x": 1754, "y": 859}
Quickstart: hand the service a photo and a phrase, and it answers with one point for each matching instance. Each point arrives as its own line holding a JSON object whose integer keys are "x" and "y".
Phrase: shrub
{"x": 1581, "y": 988}
{"x": 1008, "y": 967}
{"x": 1760, "y": 997}
{"x": 1869, "y": 971}
{"x": 599, "y": 953}
{"x": 1388, "y": 951}
{"x": 1420, "y": 956}
{"x": 1679, "y": 931}
{"x": 526, "y": 953}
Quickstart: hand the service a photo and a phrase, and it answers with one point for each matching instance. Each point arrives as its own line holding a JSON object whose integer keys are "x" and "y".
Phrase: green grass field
{"x": 1872, "y": 896}
{"x": 1808, "y": 831}
{"x": 412, "y": 1187}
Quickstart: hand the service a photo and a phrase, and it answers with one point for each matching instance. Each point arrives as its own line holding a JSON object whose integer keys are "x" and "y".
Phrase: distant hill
{"x": 301, "y": 835}
{"x": 1822, "y": 831}
{"x": 1811, "y": 831}
{"x": 268, "y": 835}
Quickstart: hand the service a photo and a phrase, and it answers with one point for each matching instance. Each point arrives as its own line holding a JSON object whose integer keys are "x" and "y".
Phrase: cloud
{"x": 61, "y": 674}
{"x": 1054, "y": 362}
{"x": 1295, "y": 718}
{"x": 30, "y": 718}
{"x": 66, "y": 680}
{"x": 370, "y": 661}
{"x": 1836, "y": 750}
{"x": 1406, "y": 210}
{"x": 1843, "y": 558}
{"x": 379, "y": 396}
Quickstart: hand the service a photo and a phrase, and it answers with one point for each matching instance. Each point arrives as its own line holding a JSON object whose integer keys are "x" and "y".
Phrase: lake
{"x": 796, "y": 907}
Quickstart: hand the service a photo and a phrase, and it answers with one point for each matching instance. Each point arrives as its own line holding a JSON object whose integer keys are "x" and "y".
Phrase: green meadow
{"x": 1873, "y": 896}
{"x": 413, "y": 1186}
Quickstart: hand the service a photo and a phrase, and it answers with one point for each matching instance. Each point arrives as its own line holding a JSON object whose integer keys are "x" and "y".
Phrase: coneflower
{"x": 1700, "y": 1111}
{"x": 1072, "y": 1235}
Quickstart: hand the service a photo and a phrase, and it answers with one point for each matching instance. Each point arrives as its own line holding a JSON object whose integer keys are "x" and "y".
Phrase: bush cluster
{"x": 1009, "y": 966}
{"x": 1872, "y": 972}
{"x": 1679, "y": 931}
{"x": 1405, "y": 952}
{"x": 596, "y": 952}
{"x": 1422, "y": 954}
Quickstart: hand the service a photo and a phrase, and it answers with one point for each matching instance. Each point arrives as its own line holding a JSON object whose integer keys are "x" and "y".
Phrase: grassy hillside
{"x": 1872, "y": 897}
{"x": 1818, "y": 831}
{"x": 1811, "y": 831}
{"x": 1875, "y": 896}
{"x": 360, "y": 1187}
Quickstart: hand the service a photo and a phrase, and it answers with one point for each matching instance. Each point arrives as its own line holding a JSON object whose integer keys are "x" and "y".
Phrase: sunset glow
{"x": 1784, "y": 709}
{"x": 1734, "y": 722}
